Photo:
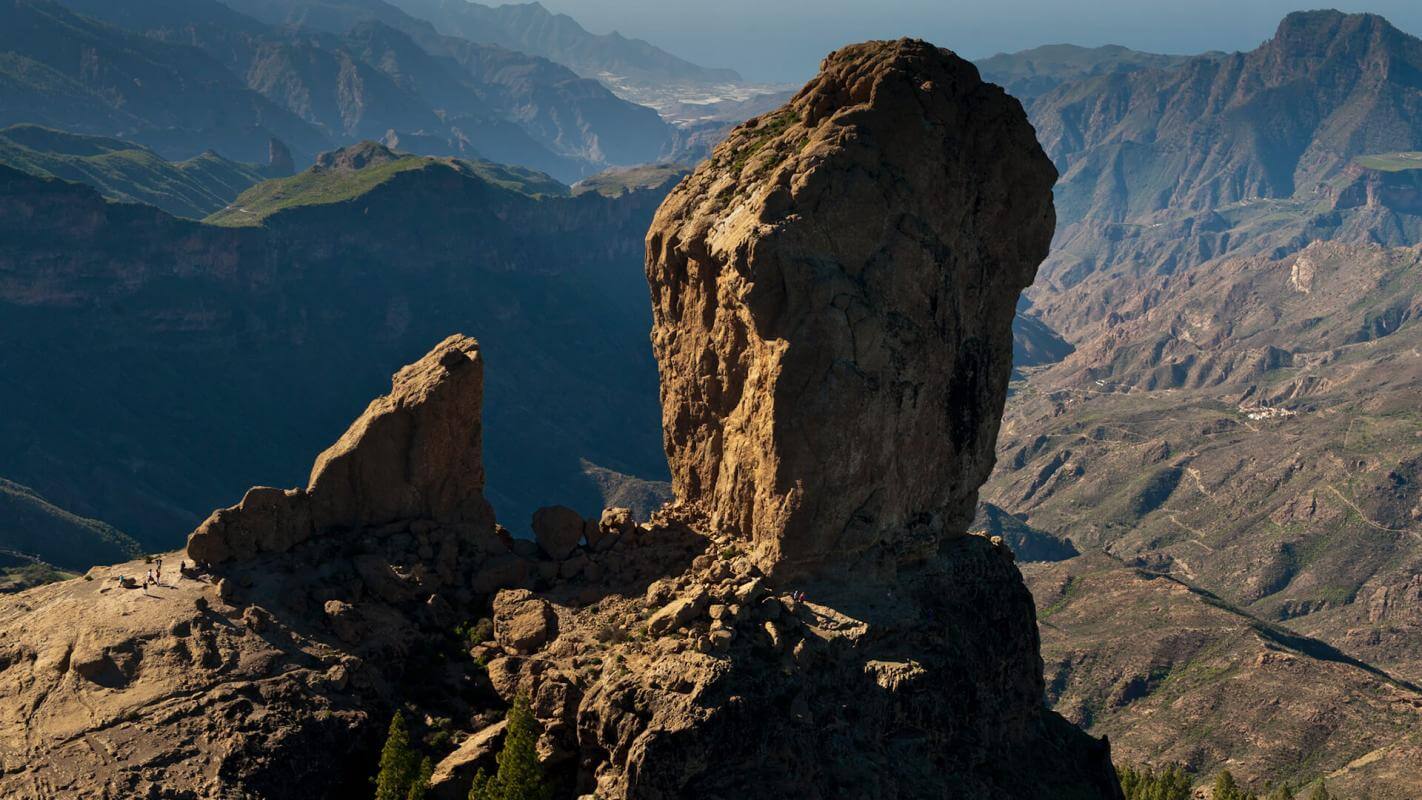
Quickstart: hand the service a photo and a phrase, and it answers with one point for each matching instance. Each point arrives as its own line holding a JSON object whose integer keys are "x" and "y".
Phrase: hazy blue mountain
{"x": 1029, "y": 74}
{"x": 63, "y": 70}
{"x": 360, "y": 69}
{"x": 141, "y": 350}
{"x": 531, "y": 28}
{"x": 125, "y": 171}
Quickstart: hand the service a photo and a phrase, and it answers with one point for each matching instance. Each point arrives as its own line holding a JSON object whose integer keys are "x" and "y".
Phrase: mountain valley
{"x": 225, "y": 225}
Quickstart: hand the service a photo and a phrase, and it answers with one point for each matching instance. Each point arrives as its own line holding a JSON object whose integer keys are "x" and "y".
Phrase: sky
{"x": 783, "y": 40}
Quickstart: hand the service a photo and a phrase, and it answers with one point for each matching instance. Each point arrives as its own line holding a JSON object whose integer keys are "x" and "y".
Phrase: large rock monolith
{"x": 833, "y": 293}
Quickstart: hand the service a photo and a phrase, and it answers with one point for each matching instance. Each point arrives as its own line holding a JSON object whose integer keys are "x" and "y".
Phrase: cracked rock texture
{"x": 833, "y": 293}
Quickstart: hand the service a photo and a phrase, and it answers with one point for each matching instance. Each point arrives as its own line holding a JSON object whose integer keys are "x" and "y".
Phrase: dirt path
{"x": 1367, "y": 520}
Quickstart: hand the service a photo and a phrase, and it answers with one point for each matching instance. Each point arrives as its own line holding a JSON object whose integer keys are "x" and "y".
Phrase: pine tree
{"x": 399, "y": 763}
{"x": 1226, "y": 788}
{"x": 1145, "y": 784}
{"x": 520, "y": 776}
{"x": 1320, "y": 792}
{"x": 421, "y": 785}
{"x": 1282, "y": 793}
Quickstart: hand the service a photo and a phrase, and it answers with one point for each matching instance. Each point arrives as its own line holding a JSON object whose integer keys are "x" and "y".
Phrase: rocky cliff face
{"x": 1369, "y": 187}
{"x": 662, "y": 660}
{"x": 832, "y": 292}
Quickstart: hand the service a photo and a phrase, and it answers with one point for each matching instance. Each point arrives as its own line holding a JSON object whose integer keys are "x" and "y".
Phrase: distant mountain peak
{"x": 534, "y": 29}
{"x": 357, "y": 157}
{"x": 1305, "y": 34}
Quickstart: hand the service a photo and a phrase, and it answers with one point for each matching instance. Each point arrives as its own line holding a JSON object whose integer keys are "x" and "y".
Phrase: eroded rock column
{"x": 833, "y": 293}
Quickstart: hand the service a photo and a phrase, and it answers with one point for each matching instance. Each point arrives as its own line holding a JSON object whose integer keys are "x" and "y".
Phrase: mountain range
{"x": 1230, "y": 440}
{"x": 129, "y": 331}
{"x": 185, "y": 77}
{"x": 1209, "y": 467}
{"x": 531, "y": 28}
{"x": 122, "y": 170}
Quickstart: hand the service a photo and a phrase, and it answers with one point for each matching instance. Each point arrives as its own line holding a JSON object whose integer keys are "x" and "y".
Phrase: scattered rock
{"x": 677, "y": 614}
{"x": 344, "y": 620}
{"x": 456, "y": 770}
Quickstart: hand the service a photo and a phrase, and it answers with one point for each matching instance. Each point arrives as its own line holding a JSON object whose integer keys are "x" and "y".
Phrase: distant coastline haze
{"x": 784, "y": 40}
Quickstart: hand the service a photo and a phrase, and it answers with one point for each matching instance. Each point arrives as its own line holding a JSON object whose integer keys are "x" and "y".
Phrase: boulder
{"x": 616, "y": 521}
{"x": 523, "y": 622}
{"x": 345, "y": 621}
{"x": 558, "y": 529}
{"x": 454, "y": 774}
{"x": 677, "y": 613}
{"x": 833, "y": 294}
{"x": 267, "y": 520}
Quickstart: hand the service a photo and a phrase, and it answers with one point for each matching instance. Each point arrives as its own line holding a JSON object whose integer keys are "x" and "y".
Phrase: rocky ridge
{"x": 1165, "y": 169}
{"x": 683, "y": 657}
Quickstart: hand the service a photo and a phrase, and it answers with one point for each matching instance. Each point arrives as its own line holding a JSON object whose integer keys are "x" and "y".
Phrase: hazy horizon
{"x": 784, "y": 41}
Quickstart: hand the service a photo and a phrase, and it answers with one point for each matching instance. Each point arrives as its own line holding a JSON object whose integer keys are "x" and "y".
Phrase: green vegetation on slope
{"x": 1390, "y": 162}
{"x": 126, "y": 171}
{"x": 526, "y": 181}
{"x": 403, "y": 774}
{"x": 1170, "y": 783}
{"x": 313, "y": 187}
{"x": 619, "y": 181}
{"x": 325, "y": 185}
{"x": 18, "y": 573}
{"x": 32, "y": 526}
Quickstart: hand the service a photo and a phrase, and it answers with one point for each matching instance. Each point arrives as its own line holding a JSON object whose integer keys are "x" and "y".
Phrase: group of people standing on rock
{"x": 154, "y": 577}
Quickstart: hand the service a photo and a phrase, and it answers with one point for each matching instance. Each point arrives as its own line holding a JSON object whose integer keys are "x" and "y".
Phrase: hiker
{"x": 158, "y": 574}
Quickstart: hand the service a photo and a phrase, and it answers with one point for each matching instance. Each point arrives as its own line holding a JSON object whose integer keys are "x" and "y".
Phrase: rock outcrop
{"x": 833, "y": 293}
{"x": 244, "y": 679}
{"x": 837, "y": 635}
{"x": 415, "y": 454}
